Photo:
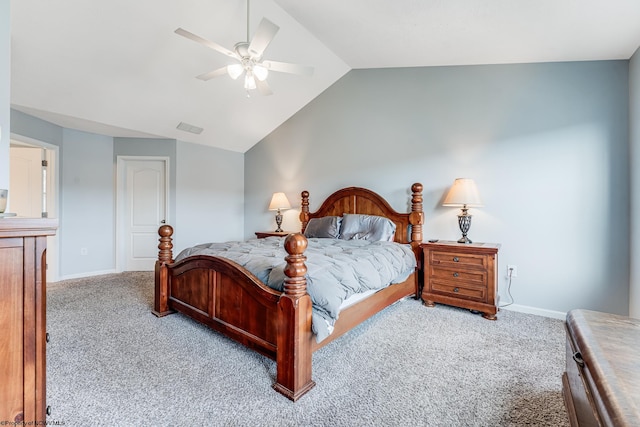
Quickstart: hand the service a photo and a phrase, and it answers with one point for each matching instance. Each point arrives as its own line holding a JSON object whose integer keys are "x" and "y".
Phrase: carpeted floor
{"x": 110, "y": 362}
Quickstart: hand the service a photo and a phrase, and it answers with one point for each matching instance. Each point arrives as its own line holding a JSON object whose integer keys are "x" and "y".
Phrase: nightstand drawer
{"x": 467, "y": 277}
{"x": 453, "y": 259}
{"x": 458, "y": 291}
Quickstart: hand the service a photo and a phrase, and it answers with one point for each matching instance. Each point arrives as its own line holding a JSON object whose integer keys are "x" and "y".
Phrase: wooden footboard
{"x": 228, "y": 298}
{"x": 231, "y": 300}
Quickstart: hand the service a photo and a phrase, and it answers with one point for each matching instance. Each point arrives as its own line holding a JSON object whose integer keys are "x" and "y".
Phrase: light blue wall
{"x": 5, "y": 90}
{"x": 86, "y": 199}
{"x": 32, "y": 127}
{"x": 207, "y": 181}
{"x": 206, "y": 198}
{"x": 634, "y": 126}
{"x": 210, "y": 195}
{"x": 87, "y": 205}
{"x": 546, "y": 143}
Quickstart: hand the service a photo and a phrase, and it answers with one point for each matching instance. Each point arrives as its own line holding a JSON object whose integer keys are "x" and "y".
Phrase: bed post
{"x": 165, "y": 256}
{"x": 304, "y": 210}
{"x": 293, "y": 355}
{"x": 416, "y": 218}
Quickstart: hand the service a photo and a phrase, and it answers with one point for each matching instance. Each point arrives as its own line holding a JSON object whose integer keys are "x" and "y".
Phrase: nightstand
{"x": 462, "y": 275}
{"x": 263, "y": 234}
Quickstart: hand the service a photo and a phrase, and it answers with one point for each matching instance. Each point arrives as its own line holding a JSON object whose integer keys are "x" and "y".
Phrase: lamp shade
{"x": 279, "y": 201}
{"x": 235, "y": 70}
{"x": 463, "y": 192}
{"x": 249, "y": 81}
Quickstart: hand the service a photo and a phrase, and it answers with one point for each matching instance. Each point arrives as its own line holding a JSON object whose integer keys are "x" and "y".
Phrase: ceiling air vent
{"x": 189, "y": 128}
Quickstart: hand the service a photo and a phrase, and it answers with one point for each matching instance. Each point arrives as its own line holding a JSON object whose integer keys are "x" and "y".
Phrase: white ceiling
{"x": 117, "y": 68}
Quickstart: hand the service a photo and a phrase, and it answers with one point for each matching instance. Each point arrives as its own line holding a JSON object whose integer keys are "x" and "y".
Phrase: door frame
{"x": 121, "y": 191}
{"x": 53, "y": 201}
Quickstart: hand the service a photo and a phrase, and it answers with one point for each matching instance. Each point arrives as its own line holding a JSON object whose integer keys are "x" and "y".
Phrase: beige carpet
{"x": 112, "y": 363}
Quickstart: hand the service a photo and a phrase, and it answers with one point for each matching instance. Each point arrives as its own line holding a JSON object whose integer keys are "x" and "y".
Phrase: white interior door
{"x": 143, "y": 197}
{"x": 33, "y": 189}
{"x": 25, "y": 182}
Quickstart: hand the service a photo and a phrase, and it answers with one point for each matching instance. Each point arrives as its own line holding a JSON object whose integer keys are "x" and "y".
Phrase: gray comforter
{"x": 336, "y": 269}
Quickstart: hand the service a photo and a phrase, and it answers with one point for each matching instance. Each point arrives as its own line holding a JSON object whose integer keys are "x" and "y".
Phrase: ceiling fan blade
{"x": 264, "y": 35}
{"x": 285, "y": 67}
{"x": 263, "y": 87}
{"x": 205, "y": 42}
{"x": 212, "y": 74}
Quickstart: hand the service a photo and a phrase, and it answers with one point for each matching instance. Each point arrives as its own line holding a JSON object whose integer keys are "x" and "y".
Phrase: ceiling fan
{"x": 249, "y": 55}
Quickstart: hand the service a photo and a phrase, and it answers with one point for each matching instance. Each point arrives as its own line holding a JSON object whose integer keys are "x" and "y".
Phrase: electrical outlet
{"x": 512, "y": 270}
{"x": 83, "y": 251}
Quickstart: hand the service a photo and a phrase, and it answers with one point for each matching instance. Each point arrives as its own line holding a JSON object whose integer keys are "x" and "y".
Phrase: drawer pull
{"x": 456, "y": 290}
{"x": 577, "y": 357}
{"x": 455, "y": 274}
{"x": 456, "y": 259}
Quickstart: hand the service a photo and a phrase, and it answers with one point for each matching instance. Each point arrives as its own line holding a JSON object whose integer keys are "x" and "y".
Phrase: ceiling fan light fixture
{"x": 260, "y": 72}
{"x": 249, "y": 81}
{"x": 249, "y": 54}
{"x": 235, "y": 70}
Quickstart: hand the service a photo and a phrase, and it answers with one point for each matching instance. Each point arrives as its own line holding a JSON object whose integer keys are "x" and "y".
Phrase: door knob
{"x": 163, "y": 222}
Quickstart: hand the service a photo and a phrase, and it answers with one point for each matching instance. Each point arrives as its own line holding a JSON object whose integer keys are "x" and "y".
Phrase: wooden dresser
{"x": 462, "y": 275}
{"x": 601, "y": 385}
{"x": 23, "y": 245}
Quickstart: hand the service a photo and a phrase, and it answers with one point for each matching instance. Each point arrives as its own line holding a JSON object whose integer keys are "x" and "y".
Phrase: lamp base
{"x": 464, "y": 221}
{"x": 279, "y": 221}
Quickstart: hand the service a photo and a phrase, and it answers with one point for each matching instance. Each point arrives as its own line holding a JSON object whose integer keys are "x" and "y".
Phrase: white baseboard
{"x": 83, "y": 275}
{"x": 534, "y": 310}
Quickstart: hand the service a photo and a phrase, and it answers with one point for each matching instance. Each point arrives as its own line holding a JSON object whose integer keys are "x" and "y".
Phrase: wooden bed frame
{"x": 231, "y": 300}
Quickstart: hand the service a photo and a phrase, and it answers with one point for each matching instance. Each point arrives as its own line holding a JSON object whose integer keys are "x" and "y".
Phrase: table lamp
{"x": 463, "y": 194}
{"x": 279, "y": 201}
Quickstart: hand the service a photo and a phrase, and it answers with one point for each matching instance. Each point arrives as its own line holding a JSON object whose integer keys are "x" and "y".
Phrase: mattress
{"x": 337, "y": 269}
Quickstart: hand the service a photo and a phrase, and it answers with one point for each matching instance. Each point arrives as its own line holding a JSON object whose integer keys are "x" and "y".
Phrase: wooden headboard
{"x": 356, "y": 200}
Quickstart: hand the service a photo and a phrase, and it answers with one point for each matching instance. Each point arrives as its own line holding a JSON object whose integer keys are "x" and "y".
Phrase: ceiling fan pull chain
{"x": 247, "y": 21}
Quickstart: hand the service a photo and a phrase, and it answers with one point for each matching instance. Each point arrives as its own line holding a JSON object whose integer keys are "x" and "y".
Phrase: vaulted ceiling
{"x": 117, "y": 67}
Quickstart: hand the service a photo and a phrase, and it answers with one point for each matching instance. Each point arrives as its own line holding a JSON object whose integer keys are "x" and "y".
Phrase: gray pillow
{"x": 325, "y": 227}
{"x": 367, "y": 227}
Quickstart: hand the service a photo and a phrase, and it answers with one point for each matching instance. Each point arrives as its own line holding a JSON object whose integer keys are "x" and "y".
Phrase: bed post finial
{"x": 304, "y": 210}
{"x": 293, "y": 354}
{"x": 295, "y": 283}
{"x": 166, "y": 244}
{"x": 165, "y": 256}
{"x": 416, "y": 218}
